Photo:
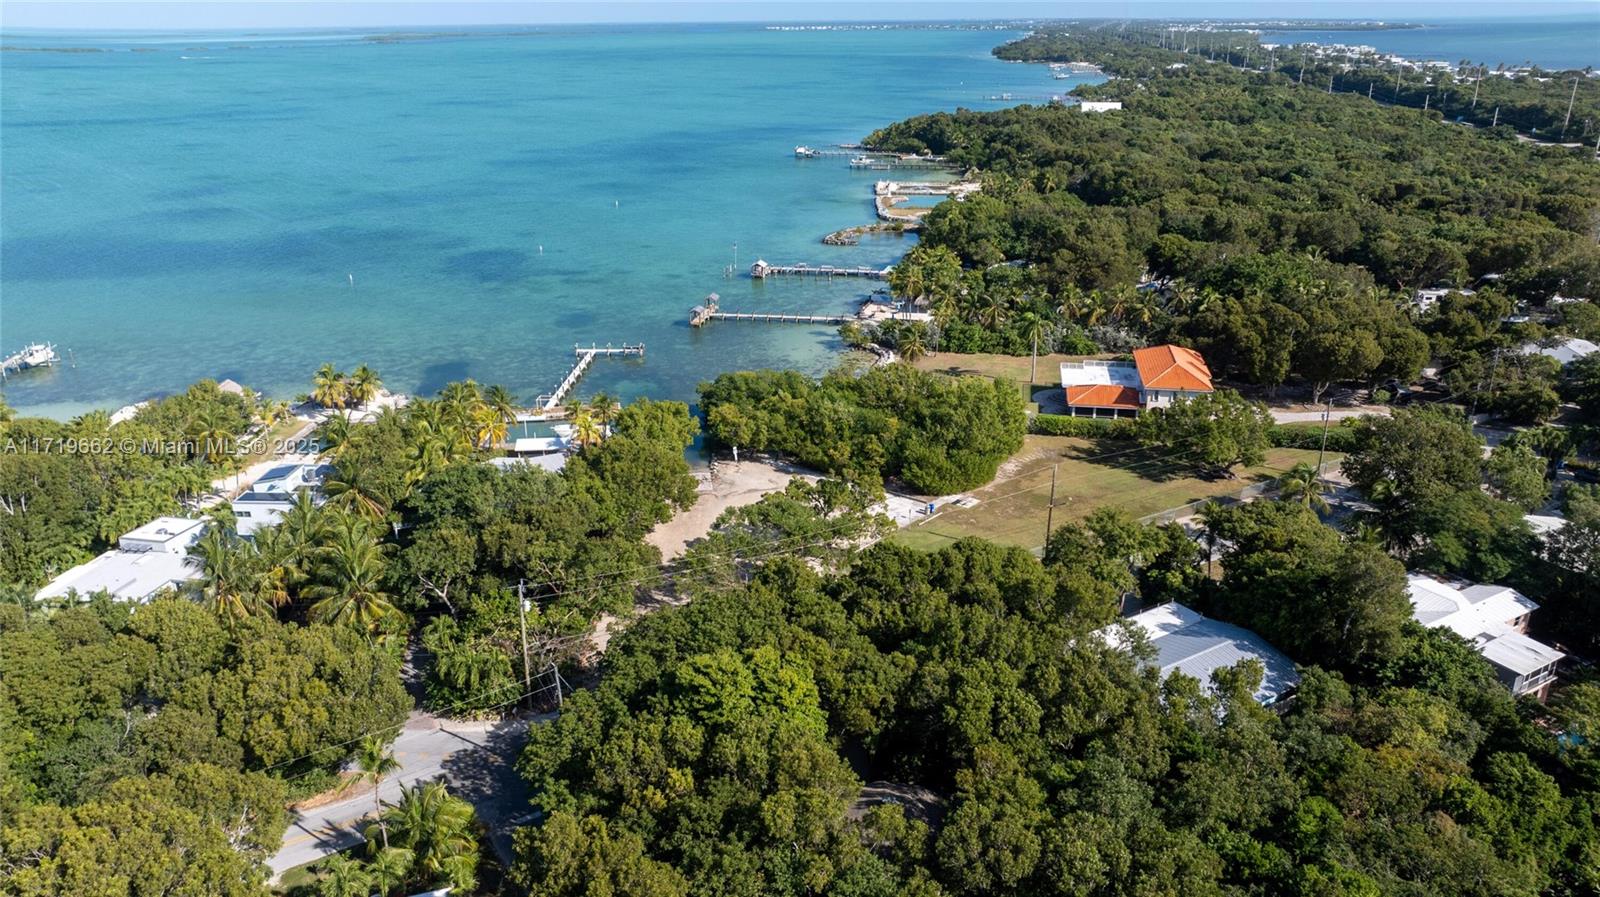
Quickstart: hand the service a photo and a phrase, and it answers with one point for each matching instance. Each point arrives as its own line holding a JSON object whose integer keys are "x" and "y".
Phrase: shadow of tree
{"x": 488, "y": 779}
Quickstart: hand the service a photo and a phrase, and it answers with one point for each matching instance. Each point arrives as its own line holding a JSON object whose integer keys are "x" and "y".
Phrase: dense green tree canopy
{"x": 938, "y": 435}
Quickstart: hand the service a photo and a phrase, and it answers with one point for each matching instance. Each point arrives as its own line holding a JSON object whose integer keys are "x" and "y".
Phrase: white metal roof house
{"x": 1565, "y": 350}
{"x": 146, "y": 561}
{"x": 274, "y": 492}
{"x": 1196, "y": 645}
{"x": 1495, "y": 619}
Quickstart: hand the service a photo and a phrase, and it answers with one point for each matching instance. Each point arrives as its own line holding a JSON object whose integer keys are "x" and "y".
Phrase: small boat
{"x": 804, "y": 152}
{"x": 869, "y": 162}
{"x": 33, "y": 355}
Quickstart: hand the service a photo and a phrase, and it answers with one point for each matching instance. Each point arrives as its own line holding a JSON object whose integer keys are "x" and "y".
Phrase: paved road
{"x": 474, "y": 758}
{"x": 1338, "y": 414}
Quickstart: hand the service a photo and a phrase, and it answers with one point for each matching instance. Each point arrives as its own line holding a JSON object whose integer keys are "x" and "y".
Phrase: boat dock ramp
{"x": 548, "y": 406}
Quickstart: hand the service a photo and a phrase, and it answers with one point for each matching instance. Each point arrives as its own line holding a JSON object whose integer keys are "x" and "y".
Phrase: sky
{"x": 231, "y": 14}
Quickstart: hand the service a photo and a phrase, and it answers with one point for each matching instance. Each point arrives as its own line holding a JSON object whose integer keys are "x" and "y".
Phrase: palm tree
{"x": 1033, "y": 327}
{"x": 328, "y": 387}
{"x": 334, "y": 435}
{"x": 457, "y": 402}
{"x": 995, "y": 310}
{"x": 354, "y": 487}
{"x": 210, "y": 431}
{"x": 604, "y": 408}
{"x": 573, "y": 407}
{"x": 232, "y": 582}
{"x": 271, "y": 411}
{"x": 945, "y": 309}
{"x": 910, "y": 345}
{"x": 488, "y": 426}
{"x": 390, "y": 868}
{"x": 1301, "y": 484}
{"x": 1072, "y": 303}
{"x": 363, "y": 385}
{"x": 439, "y": 830}
{"x": 502, "y": 401}
{"x": 375, "y": 761}
{"x": 587, "y": 429}
{"x": 350, "y": 578}
{"x": 342, "y": 876}
{"x": 434, "y": 441}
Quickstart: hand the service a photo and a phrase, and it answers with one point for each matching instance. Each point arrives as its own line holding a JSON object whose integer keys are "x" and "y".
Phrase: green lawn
{"x": 1091, "y": 475}
{"x": 1015, "y": 368}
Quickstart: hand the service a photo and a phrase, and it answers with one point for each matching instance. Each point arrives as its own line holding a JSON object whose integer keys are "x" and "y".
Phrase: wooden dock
{"x": 707, "y": 311}
{"x": 775, "y": 318}
{"x": 837, "y": 151}
{"x": 550, "y": 404}
{"x": 762, "y": 270}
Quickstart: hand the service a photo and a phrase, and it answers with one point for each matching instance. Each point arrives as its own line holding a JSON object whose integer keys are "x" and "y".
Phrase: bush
{"x": 1083, "y": 427}
{"x": 1341, "y": 437}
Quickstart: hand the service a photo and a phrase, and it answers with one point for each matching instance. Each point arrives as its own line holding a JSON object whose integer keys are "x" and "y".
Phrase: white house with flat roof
{"x": 1099, "y": 105}
{"x": 274, "y": 493}
{"x": 1189, "y": 642}
{"x": 1495, "y": 620}
{"x": 146, "y": 561}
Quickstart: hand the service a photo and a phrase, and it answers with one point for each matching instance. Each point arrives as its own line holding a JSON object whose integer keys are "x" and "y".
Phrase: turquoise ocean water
{"x": 188, "y": 206}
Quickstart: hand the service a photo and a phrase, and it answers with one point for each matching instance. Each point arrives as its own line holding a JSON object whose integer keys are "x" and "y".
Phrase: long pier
{"x": 839, "y": 151}
{"x": 776, "y": 317}
{"x": 762, "y": 270}
{"x": 550, "y": 407}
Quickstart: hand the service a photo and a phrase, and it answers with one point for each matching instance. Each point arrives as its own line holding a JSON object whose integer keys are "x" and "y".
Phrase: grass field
{"x": 1006, "y": 367}
{"x": 1090, "y": 475}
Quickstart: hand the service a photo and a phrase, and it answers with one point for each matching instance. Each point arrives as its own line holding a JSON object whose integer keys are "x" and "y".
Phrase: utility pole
{"x": 1050, "y": 513}
{"x": 1476, "y": 83}
{"x": 522, "y": 623}
{"x": 1570, "y": 100}
{"x": 1496, "y": 122}
{"x": 1327, "y": 413}
{"x": 1369, "y": 89}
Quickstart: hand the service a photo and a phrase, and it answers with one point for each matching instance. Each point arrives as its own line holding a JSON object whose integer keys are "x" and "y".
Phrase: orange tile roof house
{"x": 1156, "y": 376}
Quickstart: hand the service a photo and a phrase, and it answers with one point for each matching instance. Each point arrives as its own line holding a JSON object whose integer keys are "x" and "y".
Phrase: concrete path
{"x": 473, "y": 758}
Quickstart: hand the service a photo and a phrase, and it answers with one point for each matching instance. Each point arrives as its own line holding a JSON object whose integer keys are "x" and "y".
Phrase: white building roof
{"x": 1565, "y": 351}
{"x": 532, "y": 445}
{"x": 1475, "y": 613}
{"x": 1190, "y": 642}
{"x": 553, "y": 462}
{"x": 1519, "y": 654}
{"x": 1098, "y": 373}
{"x": 128, "y": 575}
{"x": 174, "y": 534}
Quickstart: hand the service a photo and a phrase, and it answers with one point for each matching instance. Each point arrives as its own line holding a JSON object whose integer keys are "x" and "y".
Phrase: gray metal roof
{"x": 1197, "y": 645}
